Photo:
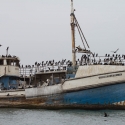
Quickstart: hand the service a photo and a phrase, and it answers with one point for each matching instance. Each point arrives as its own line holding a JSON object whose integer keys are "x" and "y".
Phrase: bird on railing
{"x": 29, "y": 66}
{"x": 108, "y": 55}
{"x": 99, "y": 60}
{"x": 105, "y": 55}
{"x": 22, "y": 66}
{"x": 35, "y": 63}
{"x": 38, "y": 64}
{"x": 58, "y": 62}
{"x": 93, "y": 55}
{"x": 55, "y": 63}
{"x": 111, "y": 59}
{"x": 96, "y": 54}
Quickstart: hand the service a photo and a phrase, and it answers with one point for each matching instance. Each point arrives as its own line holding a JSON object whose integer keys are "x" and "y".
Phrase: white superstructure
{"x": 9, "y": 66}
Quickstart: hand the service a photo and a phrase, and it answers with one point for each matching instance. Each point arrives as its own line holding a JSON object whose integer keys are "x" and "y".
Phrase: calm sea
{"x": 60, "y": 117}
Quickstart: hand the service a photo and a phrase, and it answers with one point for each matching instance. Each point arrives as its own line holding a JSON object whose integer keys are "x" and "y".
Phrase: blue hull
{"x": 105, "y": 95}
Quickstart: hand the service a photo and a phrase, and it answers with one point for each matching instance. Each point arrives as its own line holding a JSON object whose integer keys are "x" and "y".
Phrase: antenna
{"x": 7, "y": 51}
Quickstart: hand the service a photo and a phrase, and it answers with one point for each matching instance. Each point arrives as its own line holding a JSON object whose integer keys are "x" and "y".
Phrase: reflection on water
{"x": 60, "y": 117}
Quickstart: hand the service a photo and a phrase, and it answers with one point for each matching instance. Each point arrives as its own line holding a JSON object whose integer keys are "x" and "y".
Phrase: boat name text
{"x": 111, "y": 75}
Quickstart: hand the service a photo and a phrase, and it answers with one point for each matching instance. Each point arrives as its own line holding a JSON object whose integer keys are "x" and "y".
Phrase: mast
{"x": 73, "y": 34}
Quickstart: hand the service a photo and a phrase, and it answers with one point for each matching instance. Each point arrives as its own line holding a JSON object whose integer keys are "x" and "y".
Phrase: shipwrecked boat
{"x": 96, "y": 84}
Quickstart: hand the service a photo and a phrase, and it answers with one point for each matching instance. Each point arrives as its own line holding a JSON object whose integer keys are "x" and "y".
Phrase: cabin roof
{"x": 10, "y": 58}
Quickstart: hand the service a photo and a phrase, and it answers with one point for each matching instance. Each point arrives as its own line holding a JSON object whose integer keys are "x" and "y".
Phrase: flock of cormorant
{"x": 86, "y": 59}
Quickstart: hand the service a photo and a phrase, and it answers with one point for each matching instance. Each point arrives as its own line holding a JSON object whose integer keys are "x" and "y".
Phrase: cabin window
{"x": 14, "y": 63}
{"x": 8, "y": 62}
{"x": 1, "y": 62}
{"x": 11, "y": 63}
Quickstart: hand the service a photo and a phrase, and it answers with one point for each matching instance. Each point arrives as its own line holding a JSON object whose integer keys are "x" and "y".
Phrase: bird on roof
{"x": 9, "y": 55}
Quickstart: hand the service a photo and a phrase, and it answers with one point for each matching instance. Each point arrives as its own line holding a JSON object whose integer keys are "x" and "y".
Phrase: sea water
{"x": 61, "y": 117}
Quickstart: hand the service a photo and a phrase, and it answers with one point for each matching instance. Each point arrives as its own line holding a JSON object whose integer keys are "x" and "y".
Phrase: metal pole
{"x": 73, "y": 34}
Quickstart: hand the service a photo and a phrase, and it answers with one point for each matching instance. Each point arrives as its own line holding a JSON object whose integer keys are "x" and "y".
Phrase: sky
{"x": 39, "y": 30}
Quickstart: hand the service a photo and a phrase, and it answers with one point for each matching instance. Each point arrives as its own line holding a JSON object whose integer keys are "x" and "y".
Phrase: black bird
{"x": 0, "y": 45}
{"x": 35, "y": 63}
{"x": 9, "y": 55}
{"x": 22, "y": 66}
{"x": 105, "y": 55}
{"x": 105, "y": 114}
{"x": 96, "y": 55}
{"x": 115, "y": 51}
{"x": 93, "y": 55}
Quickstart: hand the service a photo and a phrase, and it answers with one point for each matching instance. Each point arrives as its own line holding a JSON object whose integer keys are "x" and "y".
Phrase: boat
{"x": 95, "y": 84}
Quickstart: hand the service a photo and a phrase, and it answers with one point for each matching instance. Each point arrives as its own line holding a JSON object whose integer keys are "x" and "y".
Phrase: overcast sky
{"x": 39, "y": 30}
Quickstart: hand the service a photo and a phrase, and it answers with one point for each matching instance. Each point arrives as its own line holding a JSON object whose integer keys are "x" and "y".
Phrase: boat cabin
{"x": 9, "y": 72}
{"x": 50, "y": 77}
